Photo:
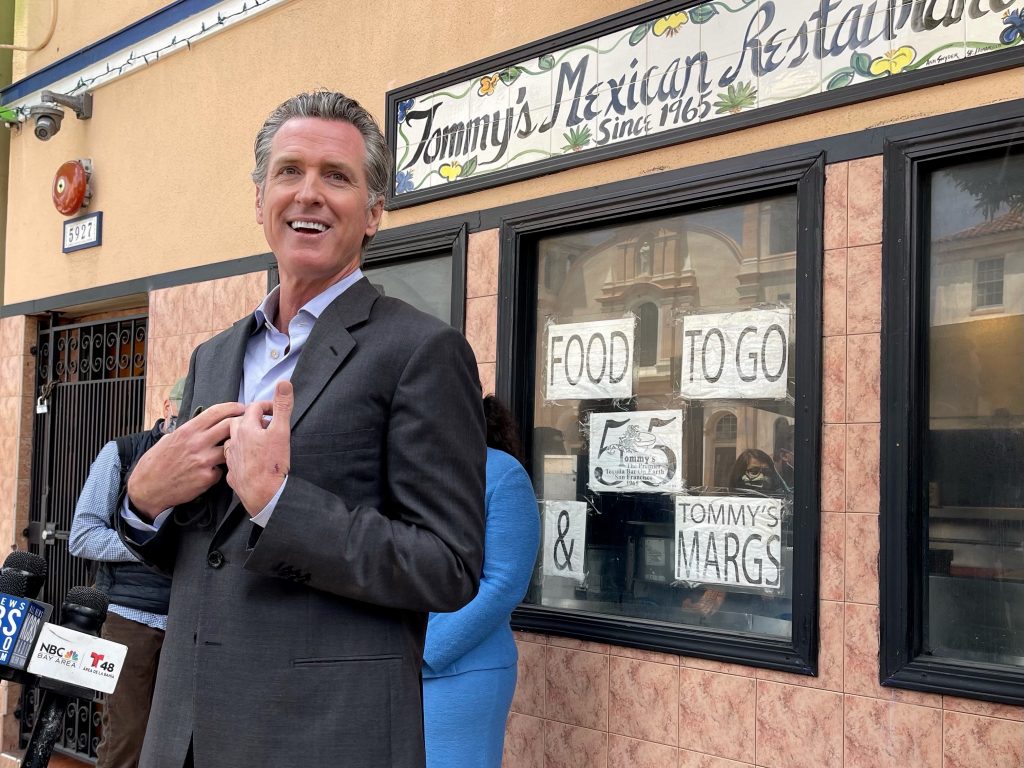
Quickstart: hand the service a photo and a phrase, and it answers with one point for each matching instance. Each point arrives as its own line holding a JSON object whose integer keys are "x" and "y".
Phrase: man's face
{"x": 171, "y": 408}
{"x": 313, "y": 203}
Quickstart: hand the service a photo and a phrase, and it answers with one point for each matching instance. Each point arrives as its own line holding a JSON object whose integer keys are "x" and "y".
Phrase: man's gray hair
{"x": 329, "y": 105}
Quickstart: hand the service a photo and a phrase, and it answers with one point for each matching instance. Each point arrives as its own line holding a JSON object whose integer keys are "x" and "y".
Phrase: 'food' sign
{"x": 587, "y": 361}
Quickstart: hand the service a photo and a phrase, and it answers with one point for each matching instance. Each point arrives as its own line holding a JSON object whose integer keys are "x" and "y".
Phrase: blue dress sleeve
{"x": 510, "y": 551}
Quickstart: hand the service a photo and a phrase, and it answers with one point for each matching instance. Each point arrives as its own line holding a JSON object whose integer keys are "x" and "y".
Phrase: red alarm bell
{"x": 71, "y": 189}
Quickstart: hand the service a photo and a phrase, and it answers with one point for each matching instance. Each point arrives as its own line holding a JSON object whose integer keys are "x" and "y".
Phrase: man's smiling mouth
{"x": 308, "y": 227}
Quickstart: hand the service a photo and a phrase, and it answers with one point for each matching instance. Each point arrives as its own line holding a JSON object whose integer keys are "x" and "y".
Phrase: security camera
{"x": 47, "y": 121}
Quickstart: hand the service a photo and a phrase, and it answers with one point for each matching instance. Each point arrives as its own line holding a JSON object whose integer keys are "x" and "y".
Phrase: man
{"x": 137, "y": 613}
{"x": 351, "y": 504}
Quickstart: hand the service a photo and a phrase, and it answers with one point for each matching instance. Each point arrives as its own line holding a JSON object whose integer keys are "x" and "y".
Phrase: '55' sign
{"x": 637, "y": 452}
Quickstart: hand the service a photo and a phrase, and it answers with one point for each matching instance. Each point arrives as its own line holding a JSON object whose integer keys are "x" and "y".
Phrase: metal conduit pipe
{"x": 46, "y": 40}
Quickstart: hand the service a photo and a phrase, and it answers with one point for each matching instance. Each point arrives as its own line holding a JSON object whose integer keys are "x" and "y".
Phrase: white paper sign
{"x": 732, "y": 540}
{"x": 565, "y": 538}
{"x": 738, "y": 355}
{"x": 590, "y": 361}
{"x": 77, "y": 658}
{"x": 639, "y": 452}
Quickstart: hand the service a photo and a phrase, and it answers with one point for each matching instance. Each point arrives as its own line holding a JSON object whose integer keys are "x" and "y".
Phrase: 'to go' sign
{"x": 736, "y": 355}
{"x": 590, "y": 360}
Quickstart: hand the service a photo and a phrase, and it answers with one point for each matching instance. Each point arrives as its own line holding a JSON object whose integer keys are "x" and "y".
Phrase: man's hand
{"x": 183, "y": 463}
{"x": 258, "y": 456}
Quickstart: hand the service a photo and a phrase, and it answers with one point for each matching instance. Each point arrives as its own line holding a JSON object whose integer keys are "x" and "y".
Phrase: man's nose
{"x": 310, "y": 191}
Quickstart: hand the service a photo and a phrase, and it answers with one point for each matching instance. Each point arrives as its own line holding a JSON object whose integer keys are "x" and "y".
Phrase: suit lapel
{"x": 330, "y": 344}
{"x": 327, "y": 347}
{"x": 220, "y": 382}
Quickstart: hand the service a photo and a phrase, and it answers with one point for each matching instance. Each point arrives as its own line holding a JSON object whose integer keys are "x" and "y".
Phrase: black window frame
{"x": 904, "y": 396}
{"x": 424, "y": 241}
{"x": 730, "y": 181}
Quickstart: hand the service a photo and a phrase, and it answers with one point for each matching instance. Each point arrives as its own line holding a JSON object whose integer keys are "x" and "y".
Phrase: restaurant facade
{"x": 749, "y": 273}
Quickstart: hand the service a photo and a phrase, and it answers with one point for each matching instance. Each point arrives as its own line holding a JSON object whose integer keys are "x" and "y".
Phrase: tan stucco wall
{"x": 171, "y": 144}
{"x": 78, "y": 24}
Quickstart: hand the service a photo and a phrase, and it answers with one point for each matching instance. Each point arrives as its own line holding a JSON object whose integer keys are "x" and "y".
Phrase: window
{"x": 422, "y": 266}
{"x": 988, "y": 283}
{"x": 953, "y": 431}
{"x": 424, "y": 282}
{"x": 723, "y": 451}
{"x": 647, "y": 343}
{"x": 650, "y": 411}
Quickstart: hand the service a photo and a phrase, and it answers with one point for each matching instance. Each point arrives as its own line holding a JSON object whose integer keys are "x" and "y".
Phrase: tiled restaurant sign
{"x": 509, "y": 118}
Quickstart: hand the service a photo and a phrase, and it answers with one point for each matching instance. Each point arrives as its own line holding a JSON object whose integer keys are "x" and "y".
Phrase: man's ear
{"x": 373, "y": 217}
{"x": 167, "y": 409}
{"x": 259, "y": 205}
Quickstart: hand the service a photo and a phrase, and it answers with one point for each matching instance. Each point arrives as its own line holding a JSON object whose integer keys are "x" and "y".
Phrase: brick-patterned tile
{"x": 836, "y": 205}
{"x": 864, "y": 289}
{"x": 862, "y": 558}
{"x": 482, "y": 264}
{"x": 864, "y": 223}
{"x": 863, "y": 377}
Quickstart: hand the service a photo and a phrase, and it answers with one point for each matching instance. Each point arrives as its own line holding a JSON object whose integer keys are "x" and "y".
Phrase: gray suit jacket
{"x": 301, "y": 643}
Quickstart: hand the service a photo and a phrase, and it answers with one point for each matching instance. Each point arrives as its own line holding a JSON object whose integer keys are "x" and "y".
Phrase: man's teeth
{"x": 308, "y": 225}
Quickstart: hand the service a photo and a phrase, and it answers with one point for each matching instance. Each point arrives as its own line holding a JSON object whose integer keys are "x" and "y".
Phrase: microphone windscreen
{"x": 13, "y": 583}
{"x": 28, "y": 562}
{"x": 87, "y": 597}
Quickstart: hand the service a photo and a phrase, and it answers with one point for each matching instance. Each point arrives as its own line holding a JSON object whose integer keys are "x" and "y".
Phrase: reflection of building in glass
{"x": 977, "y": 318}
{"x": 976, "y": 417}
{"x": 723, "y": 259}
{"x": 424, "y": 282}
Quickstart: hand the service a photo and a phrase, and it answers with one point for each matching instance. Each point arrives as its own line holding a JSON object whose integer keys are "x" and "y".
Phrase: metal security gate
{"x": 90, "y": 388}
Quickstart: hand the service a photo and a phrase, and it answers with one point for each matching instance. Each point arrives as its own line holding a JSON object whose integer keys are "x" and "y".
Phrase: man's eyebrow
{"x": 329, "y": 164}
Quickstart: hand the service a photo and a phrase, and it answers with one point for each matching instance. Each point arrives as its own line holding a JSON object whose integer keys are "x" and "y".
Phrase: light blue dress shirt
{"x": 92, "y": 535}
{"x": 270, "y": 356}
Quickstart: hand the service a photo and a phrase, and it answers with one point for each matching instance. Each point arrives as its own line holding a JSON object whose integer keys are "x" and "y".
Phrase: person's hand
{"x": 183, "y": 463}
{"x": 707, "y": 604}
{"x": 258, "y": 456}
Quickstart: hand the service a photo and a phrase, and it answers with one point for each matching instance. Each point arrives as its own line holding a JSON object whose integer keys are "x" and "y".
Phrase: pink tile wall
{"x": 482, "y": 303}
{"x": 600, "y": 706}
{"x": 183, "y": 317}
{"x": 17, "y": 408}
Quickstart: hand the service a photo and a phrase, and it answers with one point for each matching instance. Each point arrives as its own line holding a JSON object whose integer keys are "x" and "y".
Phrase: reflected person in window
{"x": 469, "y": 661}
{"x": 754, "y": 474}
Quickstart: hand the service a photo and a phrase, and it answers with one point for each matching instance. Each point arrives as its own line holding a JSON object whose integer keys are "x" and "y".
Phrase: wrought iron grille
{"x": 91, "y": 380}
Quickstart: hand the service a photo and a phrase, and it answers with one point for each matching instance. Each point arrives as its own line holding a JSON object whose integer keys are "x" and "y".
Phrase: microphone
{"x": 32, "y": 566}
{"x": 71, "y": 660}
{"x": 20, "y": 619}
{"x": 85, "y": 609}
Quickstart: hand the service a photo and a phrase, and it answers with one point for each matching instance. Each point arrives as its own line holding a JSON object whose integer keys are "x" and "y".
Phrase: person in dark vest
{"x": 138, "y": 596}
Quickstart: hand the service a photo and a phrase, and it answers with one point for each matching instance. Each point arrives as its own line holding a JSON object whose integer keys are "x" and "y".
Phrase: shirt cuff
{"x": 264, "y": 516}
{"x": 136, "y": 522}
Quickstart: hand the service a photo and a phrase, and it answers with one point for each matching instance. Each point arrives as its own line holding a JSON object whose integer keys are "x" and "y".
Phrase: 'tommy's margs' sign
{"x": 666, "y": 73}
{"x": 734, "y": 540}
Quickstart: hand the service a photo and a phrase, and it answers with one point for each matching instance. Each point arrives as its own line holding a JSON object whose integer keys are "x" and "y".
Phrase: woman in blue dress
{"x": 469, "y": 662}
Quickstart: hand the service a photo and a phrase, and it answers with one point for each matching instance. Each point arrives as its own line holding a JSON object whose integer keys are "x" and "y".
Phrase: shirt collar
{"x": 315, "y": 306}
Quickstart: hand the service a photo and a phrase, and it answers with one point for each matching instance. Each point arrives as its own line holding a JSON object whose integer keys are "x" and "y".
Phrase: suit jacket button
{"x": 215, "y": 559}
